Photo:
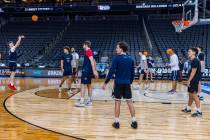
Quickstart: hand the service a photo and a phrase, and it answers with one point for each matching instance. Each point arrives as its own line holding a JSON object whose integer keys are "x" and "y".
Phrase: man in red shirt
{"x": 88, "y": 69}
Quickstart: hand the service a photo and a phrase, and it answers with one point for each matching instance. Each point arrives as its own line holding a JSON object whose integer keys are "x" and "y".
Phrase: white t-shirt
{"x": 75, "y": 57}
{"x": 174, "y": 62}
{"x": 12, "y": 49}
{"x": 143, "y": 60}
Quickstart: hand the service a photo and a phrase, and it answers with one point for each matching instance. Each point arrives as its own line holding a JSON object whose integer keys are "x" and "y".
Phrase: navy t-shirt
{"x": 87, "y": 68}
{"x": 67, "y": 62}
{"x": 150, "y": 62}
{"x": 123, "y": 68}
{"x": 12, "y": 55}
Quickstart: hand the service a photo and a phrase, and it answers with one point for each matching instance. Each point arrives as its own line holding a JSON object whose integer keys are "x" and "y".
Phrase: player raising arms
{"x": 193, "y": 83}
{"x": 13, "y": 61}
{"x": 66, "y": 69}
{"x": 88, "y": 69}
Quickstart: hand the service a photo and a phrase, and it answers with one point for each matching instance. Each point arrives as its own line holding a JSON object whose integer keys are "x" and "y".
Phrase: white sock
{"x": 117, "y": 120}
{"x": 188, "y": 108}
{"x": 133, "y": 119}
{"x": 82, "y": 100}
{"x": 198, "y": 109}
{"x": 90, "y": 98}
{"x": 12, "y": 84}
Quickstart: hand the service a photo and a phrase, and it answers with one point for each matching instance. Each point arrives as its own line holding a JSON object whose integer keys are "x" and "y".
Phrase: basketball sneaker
{"x": 12, "y": 87}
{"x": 146, "y": 87}
{"x": 134, "y": 125}
{"x": 89, "y": 102}
{"x": 69, "y": 92}
{"x": 80, "y": 104}
{"x": 60, "y": 89}
{"x": 185, "y": 110}
{"x": 116, "y": 125}
{"x": 171, "y": 92}
{"x": 197, "y": 114}
{"x": 201, "y": 98}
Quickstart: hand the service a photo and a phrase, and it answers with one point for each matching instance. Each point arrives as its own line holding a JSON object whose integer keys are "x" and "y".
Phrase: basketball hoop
{"x": 178, "y": 25}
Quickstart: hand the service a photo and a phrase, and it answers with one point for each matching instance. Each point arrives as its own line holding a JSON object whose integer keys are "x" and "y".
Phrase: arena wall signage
{"x": 5, "y": 72}
{"x": 46, "y": 8}
{"x": 34, "y": 9}
{"x": 159, "y": 73}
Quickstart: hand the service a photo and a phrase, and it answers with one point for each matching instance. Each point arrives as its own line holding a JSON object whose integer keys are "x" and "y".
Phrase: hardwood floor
{"x": 12, "y": 128}
{"x": 39, "y": 103}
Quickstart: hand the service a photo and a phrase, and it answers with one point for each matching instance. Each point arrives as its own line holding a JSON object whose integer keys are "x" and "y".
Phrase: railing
{"x": 147, "y": 35}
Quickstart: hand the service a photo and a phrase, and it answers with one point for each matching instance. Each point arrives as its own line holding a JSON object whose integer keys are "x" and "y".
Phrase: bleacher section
{"x": 163, "y": 36}
{"x": 104, "y": 35}
{"x": 46, "y": 38}
{"x": 38, "y": 37}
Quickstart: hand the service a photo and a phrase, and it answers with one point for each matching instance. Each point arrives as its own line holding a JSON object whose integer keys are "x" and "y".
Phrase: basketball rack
{"x": 194, "y": 13}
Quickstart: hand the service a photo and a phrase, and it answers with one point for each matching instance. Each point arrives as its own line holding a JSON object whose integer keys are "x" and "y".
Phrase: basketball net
{"x": 178, "y": 25}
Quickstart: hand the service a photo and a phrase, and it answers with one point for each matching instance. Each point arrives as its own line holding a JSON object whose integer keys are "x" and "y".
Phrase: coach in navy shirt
{"x": 123, "y": 68}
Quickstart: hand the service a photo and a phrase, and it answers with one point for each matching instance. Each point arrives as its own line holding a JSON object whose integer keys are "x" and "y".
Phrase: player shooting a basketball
{"x": 13, "y": 60}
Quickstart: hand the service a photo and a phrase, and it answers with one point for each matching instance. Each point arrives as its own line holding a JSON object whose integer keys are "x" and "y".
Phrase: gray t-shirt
{"x": 143, "y": 60}
{"x": 75, "y": 57}
{"x": 201, "y": 57}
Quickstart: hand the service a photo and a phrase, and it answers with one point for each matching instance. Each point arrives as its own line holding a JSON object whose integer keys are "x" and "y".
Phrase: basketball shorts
{"x": 201, "y": 76}
{"x": 122, "y": 91}
{"x": 12, "y": 66}
{"x": 193, "y": 88}
{"x": 142, "y": 72}
{"x": 74, "y": 71}
{"x": 67, "y": 72}
{"x": 150, "y": 70}
{"x": 86, "y": 78}
{"x": 175, "y": 75}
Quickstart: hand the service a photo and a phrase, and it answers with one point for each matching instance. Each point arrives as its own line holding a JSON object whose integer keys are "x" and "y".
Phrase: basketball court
{"x": 38, "y": 111}
{"x": 43, "y": 112}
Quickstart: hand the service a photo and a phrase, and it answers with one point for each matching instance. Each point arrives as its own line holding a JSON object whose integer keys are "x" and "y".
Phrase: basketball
{"x": 34, "y": 18}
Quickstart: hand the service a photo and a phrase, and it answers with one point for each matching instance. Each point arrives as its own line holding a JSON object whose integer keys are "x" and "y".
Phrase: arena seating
{"x": 104, "y": 34}
{"x": 163, "y": 36}
{"x": 46, "y": 38}
{"x": 37, "y": 37}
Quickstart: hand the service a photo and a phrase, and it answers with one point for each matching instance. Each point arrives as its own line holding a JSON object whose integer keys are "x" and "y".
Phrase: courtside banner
{"x": 4, "y": 72}
{"x": 43, "y": 73}
{"x": 165, "y": 73}
{"x": 159, "y": 73}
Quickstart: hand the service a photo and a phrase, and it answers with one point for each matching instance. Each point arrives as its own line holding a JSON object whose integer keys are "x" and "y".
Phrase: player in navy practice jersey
{"x": 66, "y": 69}
{"x": 88, "y": 69}
{"x": 123, "y": 68}
{"x": 13, "y": 60}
